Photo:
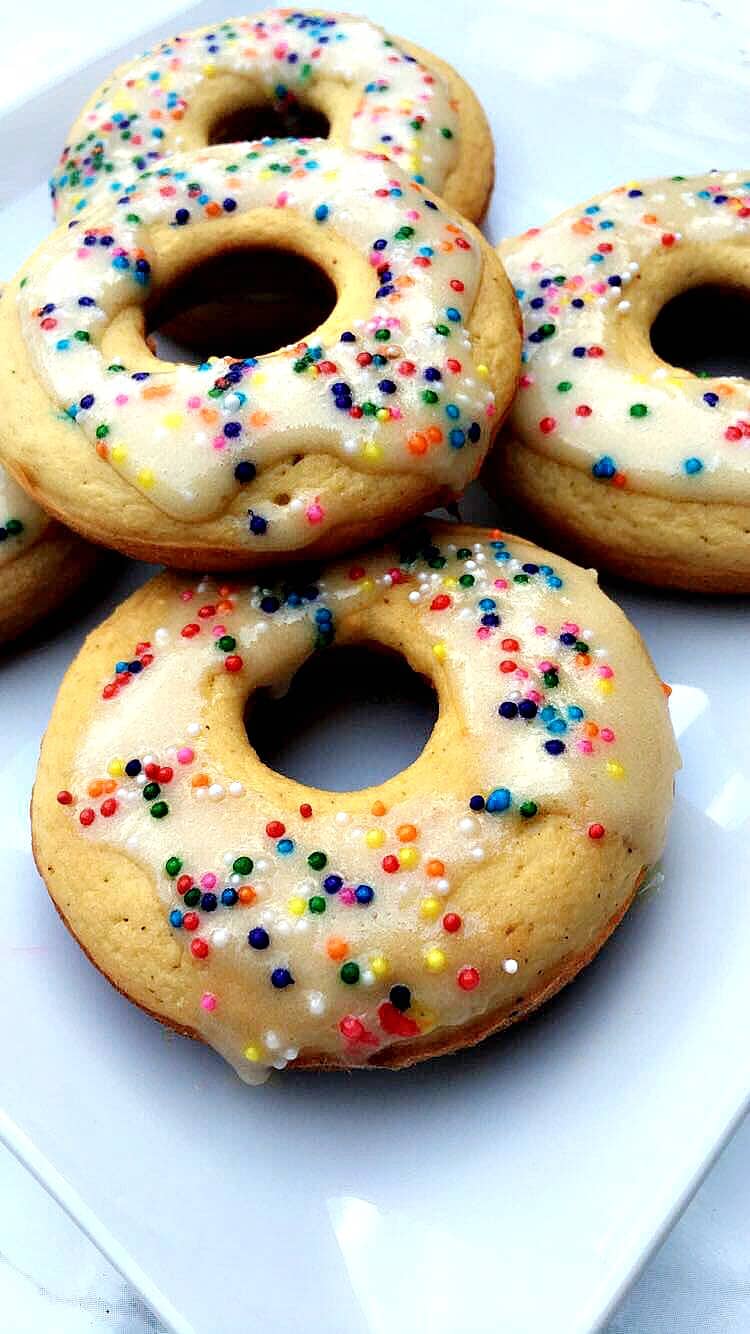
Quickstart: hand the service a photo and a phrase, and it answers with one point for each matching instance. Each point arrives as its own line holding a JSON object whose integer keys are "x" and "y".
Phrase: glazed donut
{"x": 378, "y": 93}
{"x": 385, "y": 410}
{"x": 618, "y": 456}
{"x": 283, "y": 924}
{"x": 41, "y": 563}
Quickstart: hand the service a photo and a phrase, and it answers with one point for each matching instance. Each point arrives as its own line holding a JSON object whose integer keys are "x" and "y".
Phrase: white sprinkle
{"x": 216, "y": 792}
{"x": 141, "y": 780}
{"x": 302, "y": 925}
{"x": 510, "y": 966}
{"x": 219, "y": 937}
{"x": 467, "y": 825}
{"x": 443, "y": 886}
{"x": 282, "y": 928}
{"x": 291, "y": 1053}
{"x": 316, "y": 1003}
{"x": 271, "y": 1040}
{"x": 261, "y": 864}
{"x": 477, "y": 853}
{"x": 236, "y": 789}
{"x": 341, "y": 817}
{"x": 200, "y": 793}
{"x": 367, "y": 977}
{"x": 193, "y": 729}
{"x": 414, "y": 596}
{"x": 623, "y": 306}
{"x": 161, "y": 636}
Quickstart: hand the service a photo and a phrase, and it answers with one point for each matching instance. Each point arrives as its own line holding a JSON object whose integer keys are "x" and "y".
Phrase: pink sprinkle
{"x": 208, "y": 1001}
{"x": 396, "y": 414}
{"x": 536, "y": 265}
{"x": 501, "y": 583}
{"x": 570, "y": 628}
{"x": 483, "y": 632}
{"x": 208, "y": 880}
{"x": 120, "y": 399}
{"x": 413, "y": 214}
{"x": 577, "y": 280}
{"x": 219, "y": 630}
{"x": 540, "y": 629}
{"x": 218, "y": 442}
{"x": 546, "y": 666}
{"x": 83, "y": 253}
{"x": 186, "y": 755}
{"x": 347, "y": 896}
{"x": 526, "y": 381}
{"x": 585, "y": 747}
{"x": 606, "y": 672}
{"x": 376, "y": 259}
{"x": 194, "y": 401}
{"x": 282, "y": 198}
{"x": 521, "y": 674}
{"x": 315, "y": 513}
{"x": 607, "y": 734}
{"x": 535, "y": 696}
{"x": 187, "y": 595}
{"x": 599, "y": 287}
{"x": 490, "y": 409}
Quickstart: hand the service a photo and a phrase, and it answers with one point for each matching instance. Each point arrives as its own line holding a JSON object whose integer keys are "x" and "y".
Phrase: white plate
{"x": 521, "y": 1185}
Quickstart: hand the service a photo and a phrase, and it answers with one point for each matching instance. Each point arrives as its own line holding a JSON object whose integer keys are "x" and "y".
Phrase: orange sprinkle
{"x": 451, "y": 227}
{"x": 259, "y": 418}
{"x": 224, "y": 606}
{"x": 208, "y": 414}
{"x": 246, "y": 894}
{"x": 199, "y": 780}
{"x": 213, "y": 209}
{"x": 435, "y": 867}
{"x": 620, "y": 480}
{"x": 378, "y": 808}
{"x": 417, "y": 443}
{"x": 590, "y": 729}
{"x": 156, "y": 391}
{"x": 583, "y": 659}
{"x": 101, "y": 449}
{"x": 582, "y": 227}
{"x": 434, "y": 435}
{"x": 406, "y": 833}
{"x": 666, "y": 688}
{"x": 446, "y": 246}
{"x": 649, "y": 217}
{"x": 336, "y": 948}
{"x": 177, "y": 114}
{"x": 109, "y": 785}
{"x": 96, "y": 788}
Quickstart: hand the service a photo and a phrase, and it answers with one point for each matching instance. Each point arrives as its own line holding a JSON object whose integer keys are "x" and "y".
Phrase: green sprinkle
{"x": 192, "y": 897}
{"x": 317, "y": 903}
{"x": 429, "y": 396}
{"x": 466, "y": 580}
{"x": 527, "y": 809}
{"x": 442, "y": 329}
{"x": 564, "y": 386}
{"x": 349, "y": 973}
{"x": 317, "y": 860}
{"x": 102, "y": 431}
{"x": 382, "y": 335}
{"x": 551, "y": 679}
{"x": 446, "y": 133}
{"x": 173, "y": 866}
{"x": 638, "y": 410}
{"x": 13, "y": 527}
{"x": 159, "y": 810}
{"x": 226, "y": 643}
{"x": 242, "y": 865}
{"x": 150, "y": 791}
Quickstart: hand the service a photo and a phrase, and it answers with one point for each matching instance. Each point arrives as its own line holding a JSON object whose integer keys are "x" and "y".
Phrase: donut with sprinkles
{"x": 280, "y": 71}
{"x": 622, "y": 458}
{"x": 385, "y": 410}
{"x": 285, "y": 925}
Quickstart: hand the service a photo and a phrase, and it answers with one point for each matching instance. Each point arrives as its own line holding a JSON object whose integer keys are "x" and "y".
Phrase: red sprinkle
{"x": 190, "y": 631}
{"x": 547, "y": 425}
{"x": 190, "y": 921}
{"x": 390, "y": 864}
{"x": 440, "y": 602}
{"x": 452, "y": 922}
{"x": 233, "y": 662}
{"x": 87, "y": 816}
{"x": 275, "y": 829}
{"x": 306, "y": 810}
{"x": 198, "y": 947}
{"x": 184, "y": 883}
{"x": 108, "y": 807}
{"x": 596, "y": 831}
{"x": 468, "y": 978}
{"x": 65, "y": 798}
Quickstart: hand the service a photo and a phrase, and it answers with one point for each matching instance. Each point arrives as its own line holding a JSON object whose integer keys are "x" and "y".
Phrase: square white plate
{"x": 521, "y": 1185}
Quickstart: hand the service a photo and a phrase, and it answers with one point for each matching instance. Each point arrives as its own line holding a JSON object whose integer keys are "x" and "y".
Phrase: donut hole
{"x": 351, "y": 718}
{"x": 240, "y": 303}
{"x": 704, "y": 330}
{"x": 290, "y": 120}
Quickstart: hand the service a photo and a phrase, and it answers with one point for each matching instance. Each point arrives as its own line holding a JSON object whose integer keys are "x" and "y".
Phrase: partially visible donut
{"x": 377, "y": 92}
{"x": 287, "y": 925}
{"x": 383, "y": 411}
{"x": 618, "y": 456}
{"x": 41, "y": 563}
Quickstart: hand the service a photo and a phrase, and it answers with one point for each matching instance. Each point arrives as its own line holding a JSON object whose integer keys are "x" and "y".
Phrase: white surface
{"x": 514, "y": 1187}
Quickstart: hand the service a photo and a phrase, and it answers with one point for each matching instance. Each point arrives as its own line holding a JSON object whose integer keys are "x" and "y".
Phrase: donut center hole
{"x": 352, "y": 718}
{"x": 705, "y": 330}
{"x": 289, "y": 119}
{"x": 241, "y": 303}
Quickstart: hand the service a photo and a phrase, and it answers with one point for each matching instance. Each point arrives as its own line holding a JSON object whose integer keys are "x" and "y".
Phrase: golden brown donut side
{"x": 42, "y": 578}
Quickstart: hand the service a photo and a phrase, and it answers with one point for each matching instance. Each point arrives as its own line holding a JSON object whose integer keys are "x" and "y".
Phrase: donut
{"x": 223, "y": 82}
{"x": 385, "y": 410}
{"x": 616, "y": 455}
{"x": 286, "y": 925}
{"x": 41, "y": 563}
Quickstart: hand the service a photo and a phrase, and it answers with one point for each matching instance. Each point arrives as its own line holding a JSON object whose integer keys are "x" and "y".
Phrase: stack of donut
{"x": 280, "y": 924}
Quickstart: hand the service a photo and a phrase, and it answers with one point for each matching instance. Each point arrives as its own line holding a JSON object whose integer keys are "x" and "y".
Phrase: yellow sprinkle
{"x": 429, "y": 908}
{"x": 367, "y": 585}
{"x": 173, "y": 420}
{"x": 414, "y": 162}
{"x": 482, "y": 371}
{"x": 118, "y": 453}
{"x": 116, "y": 768}
{"x": 145, "y": 478}
{"x": 259, "y": 379}
{"x": 209, "y": 71}
{"x": 614, "y": 769}
{"x": 409, "y": 858}
{"x": 605, "y": 686}
{"x": 450, "y": 582}
{"x": 380, "y": 966}
{"x": 434, "y": 961}
{"x": 383, "y": 414}
{"x": 330, "y": 175}
{"x": 440, "y": 651}
{"x": 375, "y": 838}
{"x": 252, "y": 1053}
{"x": 296, "y": 905}
{"x": 372, "y": 451}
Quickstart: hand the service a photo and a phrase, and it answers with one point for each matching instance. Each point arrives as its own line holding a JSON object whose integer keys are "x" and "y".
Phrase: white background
{"x": 52, "y": 1280}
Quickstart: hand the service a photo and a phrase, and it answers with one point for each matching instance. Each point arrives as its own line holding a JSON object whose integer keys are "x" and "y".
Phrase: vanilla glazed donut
{"x": 283, "y": 924}
{"x": 41, "y": 563}
{"x": 377, "y": 92}
{"x": 618, "y": 456}
{"x": 386, "y": 410}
